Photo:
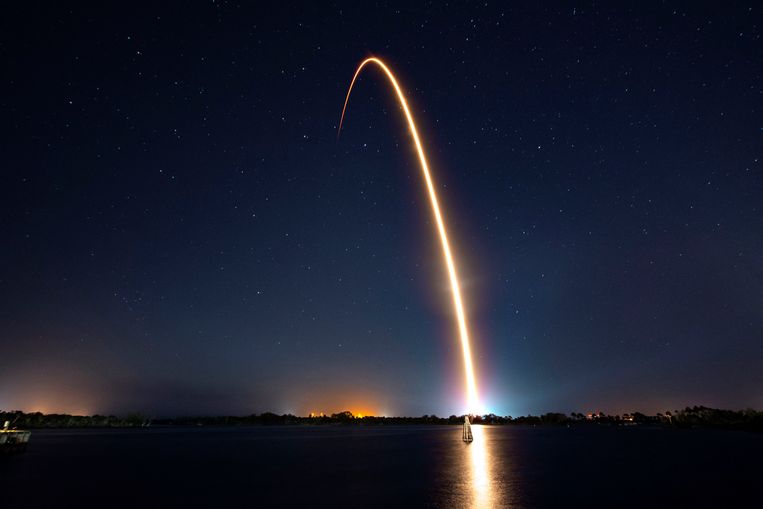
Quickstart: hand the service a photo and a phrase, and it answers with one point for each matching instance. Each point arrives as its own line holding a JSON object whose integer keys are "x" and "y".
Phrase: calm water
{"x": 415, "y": 466}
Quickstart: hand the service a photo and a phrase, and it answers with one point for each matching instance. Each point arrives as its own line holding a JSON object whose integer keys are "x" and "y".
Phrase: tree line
{"x": 697, "y": 416}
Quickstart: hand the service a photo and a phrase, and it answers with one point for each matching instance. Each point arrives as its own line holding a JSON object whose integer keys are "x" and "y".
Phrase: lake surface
{"x": 385, "y": 466}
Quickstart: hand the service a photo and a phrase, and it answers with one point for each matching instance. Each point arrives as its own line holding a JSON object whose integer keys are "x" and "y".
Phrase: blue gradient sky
{"x": 183, "y": 233}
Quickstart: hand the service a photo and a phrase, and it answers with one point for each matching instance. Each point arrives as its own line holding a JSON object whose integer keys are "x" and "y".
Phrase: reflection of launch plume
{"x": 471, "y": 386}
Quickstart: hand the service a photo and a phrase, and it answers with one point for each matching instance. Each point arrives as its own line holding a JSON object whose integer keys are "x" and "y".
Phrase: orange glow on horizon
{"x": 471, "y": 385}
{"x": 358, "y": 411}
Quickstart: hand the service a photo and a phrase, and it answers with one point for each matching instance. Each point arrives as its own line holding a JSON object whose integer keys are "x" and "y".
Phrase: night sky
{"x": 182, "y": 232}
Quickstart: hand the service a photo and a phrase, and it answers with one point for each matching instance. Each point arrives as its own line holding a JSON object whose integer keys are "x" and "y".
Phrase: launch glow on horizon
{"x": 471, "y": 385}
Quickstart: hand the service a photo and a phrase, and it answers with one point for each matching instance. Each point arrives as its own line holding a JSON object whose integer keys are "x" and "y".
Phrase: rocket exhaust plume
{"x": 471, "y": 386}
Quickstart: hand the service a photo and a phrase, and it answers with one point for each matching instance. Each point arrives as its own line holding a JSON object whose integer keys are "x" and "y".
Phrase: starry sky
{"x": 182, "y": 232}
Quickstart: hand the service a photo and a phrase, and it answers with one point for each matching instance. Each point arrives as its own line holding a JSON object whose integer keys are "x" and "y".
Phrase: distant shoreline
{"x": 698, "y": 416}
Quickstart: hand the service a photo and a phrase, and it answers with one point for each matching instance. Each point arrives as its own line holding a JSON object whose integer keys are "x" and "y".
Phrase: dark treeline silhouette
{"x": 698, "y": 416}
{"x": 18, "y": 419}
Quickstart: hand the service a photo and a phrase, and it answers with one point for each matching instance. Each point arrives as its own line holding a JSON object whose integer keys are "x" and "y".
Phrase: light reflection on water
{"x": 486, "y": 488}
{"x": 480, "y": 474}
{"x": 477, "y": 475}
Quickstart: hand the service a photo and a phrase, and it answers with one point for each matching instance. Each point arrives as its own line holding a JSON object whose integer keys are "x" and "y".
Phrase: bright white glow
{"x": 471, "y": 385}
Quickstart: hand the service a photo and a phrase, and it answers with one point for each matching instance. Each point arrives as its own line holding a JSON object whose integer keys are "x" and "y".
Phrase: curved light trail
{"x": 471, "y": 385}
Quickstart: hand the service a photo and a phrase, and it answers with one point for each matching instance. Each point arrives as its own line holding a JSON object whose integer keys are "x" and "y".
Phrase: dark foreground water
{"x": 417, "y": 466}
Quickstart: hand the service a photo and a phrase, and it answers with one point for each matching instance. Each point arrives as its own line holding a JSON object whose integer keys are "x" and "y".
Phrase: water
{"x": 392, "y": 466}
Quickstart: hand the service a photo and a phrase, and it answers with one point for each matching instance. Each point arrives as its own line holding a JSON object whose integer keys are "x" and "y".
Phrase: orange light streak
{"x": 471, "y": 385}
